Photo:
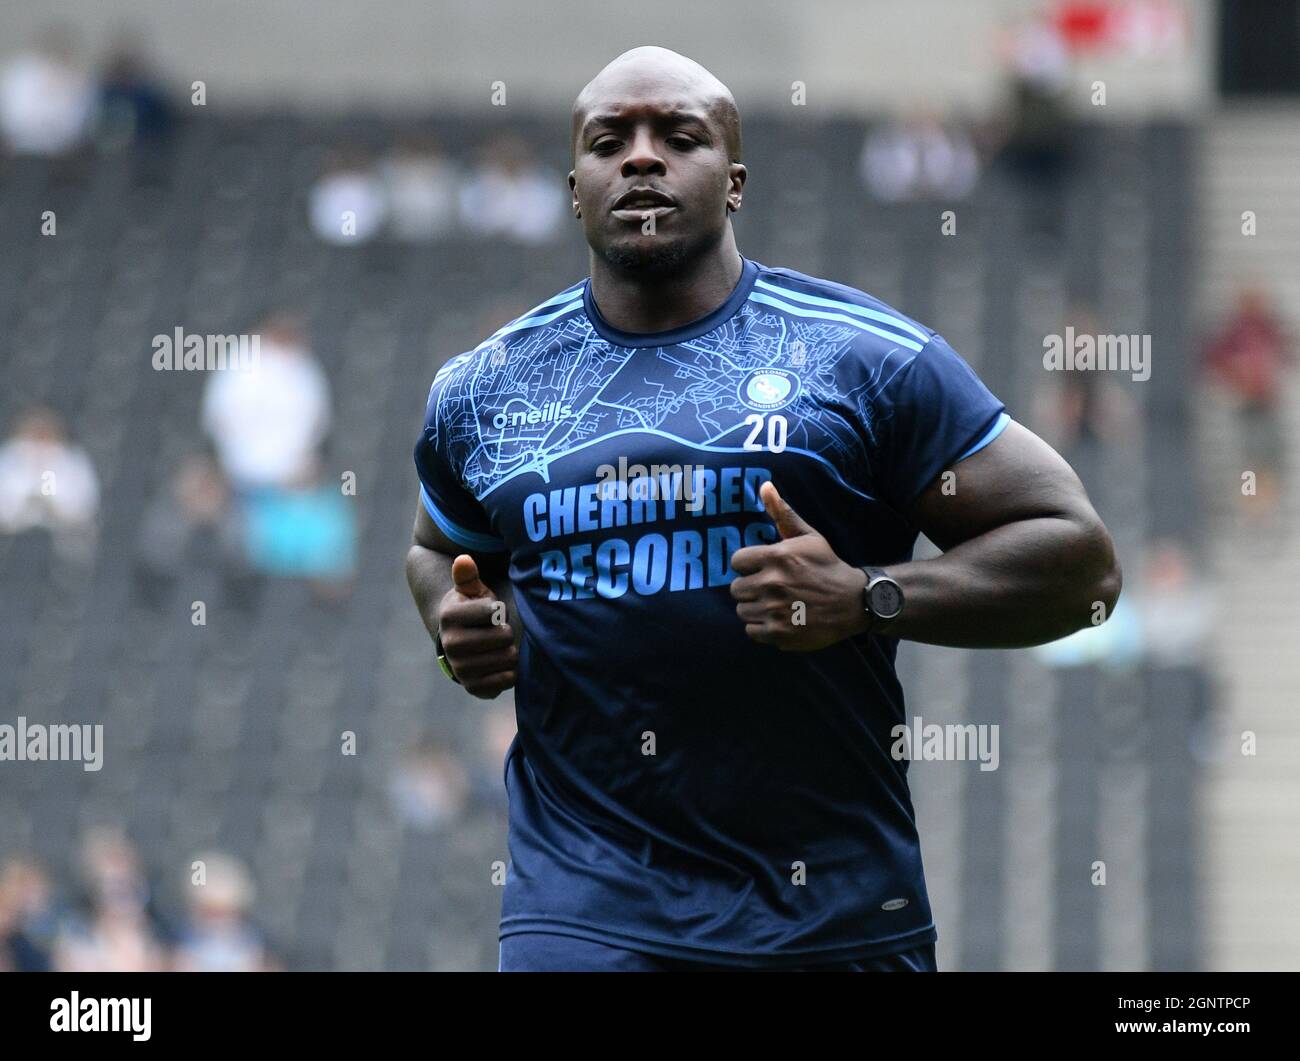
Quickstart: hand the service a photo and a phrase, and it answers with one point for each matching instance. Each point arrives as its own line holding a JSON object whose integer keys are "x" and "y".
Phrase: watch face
{"x": 886, "y": 599}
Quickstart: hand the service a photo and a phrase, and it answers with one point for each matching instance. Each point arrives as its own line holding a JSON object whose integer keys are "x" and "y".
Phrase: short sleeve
{"x": 456, "y": 511}
{"x": 933, "y": 413}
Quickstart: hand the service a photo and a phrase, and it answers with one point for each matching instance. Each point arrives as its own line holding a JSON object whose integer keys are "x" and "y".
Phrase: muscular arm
{"x": 1026, "y": 557}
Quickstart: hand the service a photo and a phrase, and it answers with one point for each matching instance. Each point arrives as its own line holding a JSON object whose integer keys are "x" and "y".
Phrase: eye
{"x": 605, "y": 147}
{"x": 683, "y": 141}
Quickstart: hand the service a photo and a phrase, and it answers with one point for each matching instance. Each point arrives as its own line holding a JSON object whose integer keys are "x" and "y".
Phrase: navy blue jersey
{"x": 674, "y": 786}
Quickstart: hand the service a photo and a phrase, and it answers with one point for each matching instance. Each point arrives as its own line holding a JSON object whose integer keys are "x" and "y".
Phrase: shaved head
{"x": 671, "y": 72}
{"x": 656, "y": 167}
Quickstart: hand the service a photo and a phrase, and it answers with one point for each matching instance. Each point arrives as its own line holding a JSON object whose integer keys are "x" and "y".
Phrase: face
{"x": 652, "y": 177}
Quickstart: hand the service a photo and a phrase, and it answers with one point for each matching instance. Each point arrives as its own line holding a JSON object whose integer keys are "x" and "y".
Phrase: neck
{"x": 639, "y": 302}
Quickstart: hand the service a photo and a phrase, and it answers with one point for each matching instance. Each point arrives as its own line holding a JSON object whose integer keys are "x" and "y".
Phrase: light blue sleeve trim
{"x": 999, "y": 425}
{"x": 483, "y": 543}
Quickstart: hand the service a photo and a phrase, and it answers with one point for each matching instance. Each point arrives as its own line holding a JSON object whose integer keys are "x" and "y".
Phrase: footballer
{"x": 673, "y": 507}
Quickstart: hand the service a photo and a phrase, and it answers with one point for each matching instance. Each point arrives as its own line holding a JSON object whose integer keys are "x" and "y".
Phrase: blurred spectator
{"x": 1247, "y": 359}
{"x": 346, "y": 204}
{"x": 1163, "y": 618}
{"x": 430, "y": 787}
{"x": 192, "y": 520}
{"x": 1034, "y": 136}
{"x": 304, "y": 531}
{"x": 421, "y": 188}
{"x": 918, "y": 157}
{"x": 1176, "y": 605}
{"x": 120, "y": 931}
{"x": 46, "y": 481}
{"x": 1115, "y": 644}
{"x": 29, "y": 916}
{"x": 1083, "y": 409}
{"x": 509, "y": 195}
{"x": 218, "y": 936}
{"x": 268, "y": 423}
{"x": 46, "y": 102}
{"x": 496, "y": 732}
{"x": 133, "y": 106}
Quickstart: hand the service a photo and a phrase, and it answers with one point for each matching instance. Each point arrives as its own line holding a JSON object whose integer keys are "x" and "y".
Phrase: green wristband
{"x": 442, "y": 658}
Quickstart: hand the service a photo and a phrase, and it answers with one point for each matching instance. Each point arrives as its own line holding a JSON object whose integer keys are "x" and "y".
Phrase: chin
{"x": 649, "y": 254}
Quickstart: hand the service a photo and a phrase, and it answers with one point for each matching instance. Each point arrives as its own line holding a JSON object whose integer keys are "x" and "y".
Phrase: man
{"x": 646, "y": 505}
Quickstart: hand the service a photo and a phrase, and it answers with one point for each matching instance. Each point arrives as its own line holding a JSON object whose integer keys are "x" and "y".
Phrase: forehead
{"x": 637, "y": 94}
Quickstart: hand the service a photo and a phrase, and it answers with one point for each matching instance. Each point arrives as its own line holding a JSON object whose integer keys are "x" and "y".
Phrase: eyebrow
{"x": 619, "y": 121}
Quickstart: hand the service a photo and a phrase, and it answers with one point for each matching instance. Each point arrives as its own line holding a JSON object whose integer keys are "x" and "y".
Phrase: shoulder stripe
{"x": 799, "y": 311}
{"x": 846, "y": 307}
{"x": 530, "y": 322}
{"x": 570, "y": 296}
{"x": 999, "y": 425}
{"x": 483, "y": 543}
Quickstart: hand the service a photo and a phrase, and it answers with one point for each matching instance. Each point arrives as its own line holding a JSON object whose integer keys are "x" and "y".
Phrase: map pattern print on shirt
{"x": 691, "y": 393}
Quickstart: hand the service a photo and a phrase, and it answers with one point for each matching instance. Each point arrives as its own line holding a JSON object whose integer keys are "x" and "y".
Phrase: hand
{"x": 796, "y": 594}
{"x": 476, "y": 634}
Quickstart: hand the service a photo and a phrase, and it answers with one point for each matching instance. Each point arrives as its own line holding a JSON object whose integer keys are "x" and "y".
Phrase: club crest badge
{"x": 769, "y": 388}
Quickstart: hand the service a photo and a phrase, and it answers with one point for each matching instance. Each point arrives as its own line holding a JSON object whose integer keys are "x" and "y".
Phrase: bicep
{"x": 1015, "y": 477}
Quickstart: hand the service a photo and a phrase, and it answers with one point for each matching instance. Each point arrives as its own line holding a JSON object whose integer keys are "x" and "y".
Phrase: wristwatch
{"x": 882, "y": 597}
{"x": 442, "y": 658}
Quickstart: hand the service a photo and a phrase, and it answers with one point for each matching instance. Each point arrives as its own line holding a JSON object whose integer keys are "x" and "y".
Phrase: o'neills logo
{"x": 547, "y": 414}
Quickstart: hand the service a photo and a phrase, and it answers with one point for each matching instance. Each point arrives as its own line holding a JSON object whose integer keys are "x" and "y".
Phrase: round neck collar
{"x": 748, "y": 274}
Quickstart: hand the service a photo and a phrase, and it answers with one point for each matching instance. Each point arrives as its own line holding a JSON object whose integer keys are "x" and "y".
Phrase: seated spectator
{"x": 919, "y": 157}
{"x": 508, "y": 195}
{"x": 496, "y": 732}
{"x": 346, "y": 204}
{"x": 30, "y": 916}
{"x": 1247, "y": 358}
{"x": 267, "y": 424}
{"x": 133, "y": 105}
{"x": 1115, "y": 644}
{"x": 47, "y": 103}
{"x": 305, "y": 531}
{"x": 219, "y": 936}
{"x": 421, "y": 188}
{"x": 120, "y": 930}
{"x": 46, "y": 481}
{"x": 1176, "y": 604}
{"x": 430, "y": 787}
{"x": 192, "y": 522}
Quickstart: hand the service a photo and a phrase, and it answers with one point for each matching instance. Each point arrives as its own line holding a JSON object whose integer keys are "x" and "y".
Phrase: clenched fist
{"x": 476, "y": 635}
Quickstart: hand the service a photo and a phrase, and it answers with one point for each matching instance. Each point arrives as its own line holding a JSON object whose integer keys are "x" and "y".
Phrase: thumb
{"x": 464, "y": 574}
{"x": 788, "y": 521}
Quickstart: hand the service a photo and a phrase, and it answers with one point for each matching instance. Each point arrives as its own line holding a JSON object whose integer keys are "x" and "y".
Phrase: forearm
{"x": 428, "y": 574}
{"x": 1024, "y": 583}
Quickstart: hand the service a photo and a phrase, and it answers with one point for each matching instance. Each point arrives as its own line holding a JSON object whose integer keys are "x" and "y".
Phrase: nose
{"x": 642, "y": 156}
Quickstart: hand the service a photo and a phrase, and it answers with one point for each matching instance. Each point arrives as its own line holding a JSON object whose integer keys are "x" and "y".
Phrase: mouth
{"x": 641, "y": 201}
{"x": 640, "y": 213}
